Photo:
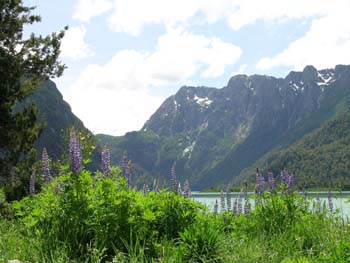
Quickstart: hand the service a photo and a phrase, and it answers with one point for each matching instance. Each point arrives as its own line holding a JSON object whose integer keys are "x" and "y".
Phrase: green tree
{"x": 24, "y": 63}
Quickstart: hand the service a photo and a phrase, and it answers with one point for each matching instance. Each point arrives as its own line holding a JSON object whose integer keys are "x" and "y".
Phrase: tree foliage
{"x": 24, "y": 63}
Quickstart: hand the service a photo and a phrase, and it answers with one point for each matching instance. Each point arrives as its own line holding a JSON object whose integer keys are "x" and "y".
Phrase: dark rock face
{"x": 215, "y": 133}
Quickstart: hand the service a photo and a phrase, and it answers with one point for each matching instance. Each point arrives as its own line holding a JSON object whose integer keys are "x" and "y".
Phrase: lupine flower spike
{"x": 45, "y": 161}
{"x": 179, "y": 189}
{"x": 32, "y": 184}
{"x": 222, "y": 207}
{"x": 125, "y": 162}
{"x": 260, "y": 183}
{"x": 330, "y": 201}
{"x": 235, "y": 207}
{"x": 228, "y": 197}
{"x": 145, "y": 189}
{"x": 271, "y": 181}
{"x": 216, "y": 207}
{"x": 246, "y": 207}
{"x": 239, "y": 205}
{"x": 105, "y": 160}
{"x": 75, "y": 153}
{"x": 128, "y": 173}
{"x": 187, "y": 190}
{"x": 173, "y": 177}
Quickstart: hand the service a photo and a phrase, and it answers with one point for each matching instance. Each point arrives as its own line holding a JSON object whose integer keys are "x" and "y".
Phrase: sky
{"x": 125, "y": 57}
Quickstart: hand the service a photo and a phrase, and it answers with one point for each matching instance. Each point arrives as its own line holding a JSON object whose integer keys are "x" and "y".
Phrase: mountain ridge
{"x": 206, "y": 129}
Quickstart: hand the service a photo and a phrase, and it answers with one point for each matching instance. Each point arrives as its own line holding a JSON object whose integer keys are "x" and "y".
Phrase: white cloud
{"x": 73, "y": 44}
{"x": 324, "y": 45}
{"x": 115, "y": 97}
{"x": 87, "y": 9}
{"x": 132, "y": 15}
{"x": 180, "y": 54}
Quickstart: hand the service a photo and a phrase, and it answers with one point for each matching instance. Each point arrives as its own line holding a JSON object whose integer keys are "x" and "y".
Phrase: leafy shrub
{"x": 81, "y": 211}
{"x": 203, "y": 241}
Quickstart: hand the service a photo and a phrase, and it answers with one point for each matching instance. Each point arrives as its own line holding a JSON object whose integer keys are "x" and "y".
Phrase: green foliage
{"x": 203, "y": 241}
{"x": 320, "y": 159}
{"x": 24, "y": 63}
{"x": 82, "y": 211}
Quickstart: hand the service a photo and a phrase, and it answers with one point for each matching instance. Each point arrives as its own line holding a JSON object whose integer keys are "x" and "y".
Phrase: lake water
{"x": 339, "y": 199}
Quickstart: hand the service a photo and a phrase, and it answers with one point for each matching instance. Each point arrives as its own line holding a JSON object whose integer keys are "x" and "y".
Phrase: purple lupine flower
{"x": 173, "y": 177}
{"x": 318, "y": 202}
{"x": 245, "y": 190}
{"x": 284, "y": 177}
{"x": 271, "y": 181}
{"x": 216, "y": 207}
{"x": 145, "y": 189}
{"x": 246, "y": 207}
{"x": 75, "y": 153}
{"x": 187, "y": 190}
{"x": 222, "y": 203}
{"x": 260, "y": 183}
{"x": 235, "y": 207}
{"x": 128, "y": 173}
{"x": 179, "y": 189}
{"x": 330, "y": 201}
{"x": 239, "y": 205}
{"x": 228, "y": 197}
{"x": 155, "y": 186}
{"x": 45, "y": 161}
{"x": 291, "y": 181}
{"x": 32, "y": 184}
{"x": 105, "y": 160}
{"x": 125, "y": 162}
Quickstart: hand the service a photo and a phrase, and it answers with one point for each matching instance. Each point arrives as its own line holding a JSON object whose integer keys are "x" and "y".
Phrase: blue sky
{"x": 124, "y": 57}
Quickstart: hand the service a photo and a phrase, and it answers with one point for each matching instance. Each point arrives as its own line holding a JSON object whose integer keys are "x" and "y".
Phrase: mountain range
{"x": 217, "y": 136}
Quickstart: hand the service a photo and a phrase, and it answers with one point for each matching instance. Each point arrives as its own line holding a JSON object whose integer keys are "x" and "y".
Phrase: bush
{"x": 80, "y": 212}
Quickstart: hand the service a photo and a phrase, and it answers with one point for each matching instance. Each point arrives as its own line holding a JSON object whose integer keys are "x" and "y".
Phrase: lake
{"x": 339, "y": 199}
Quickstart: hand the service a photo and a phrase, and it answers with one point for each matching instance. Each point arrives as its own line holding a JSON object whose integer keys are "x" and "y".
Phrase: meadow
{"x": 83, "y": 217}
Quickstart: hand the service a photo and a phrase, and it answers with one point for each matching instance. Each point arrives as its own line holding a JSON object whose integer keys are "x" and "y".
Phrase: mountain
{"x": 214, "y": 134}
{"x": 58, "y": 118}
{"x": 319, "y": 159}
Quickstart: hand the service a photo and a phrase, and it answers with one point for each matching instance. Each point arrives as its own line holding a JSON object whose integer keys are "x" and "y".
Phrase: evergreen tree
{"x": 24, "y": 64}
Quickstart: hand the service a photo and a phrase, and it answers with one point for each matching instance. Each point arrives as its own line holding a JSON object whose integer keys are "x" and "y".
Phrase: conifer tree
{"x": 25, "y": 62}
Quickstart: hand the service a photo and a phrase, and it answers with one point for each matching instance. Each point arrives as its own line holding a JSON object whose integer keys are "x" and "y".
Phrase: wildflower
{"x": 330, "y": 201}
{"x": 246, "y": 207}
{"x": 187, "y": 189}
{"x": 179, "y": 190}
{"x": 128, "y": 173}
{"x": 291, "y": 181}
{"x": 235, "y": 207}
{"x": 271, "y": 181}
{"x": 239, "y": 205}
{"x": 45, "y": 166}
{"x": 228, "y": 197}
{"x": 173, "y": 177}
{"x": 216, "y": 207}
{"x": 259, "y": 184}
{"x": 155, "y": 186}
{"x": 105, "y": 160}
{"x": 125, "y": 162}
{"x": 245, "y": 190}
{"x": 222, "y": 202}
{"x": 32, "y": 184}
{"x": 318, "y": 203}
{"x": 145, "y": 189}
{"x": 75, "y": 153}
